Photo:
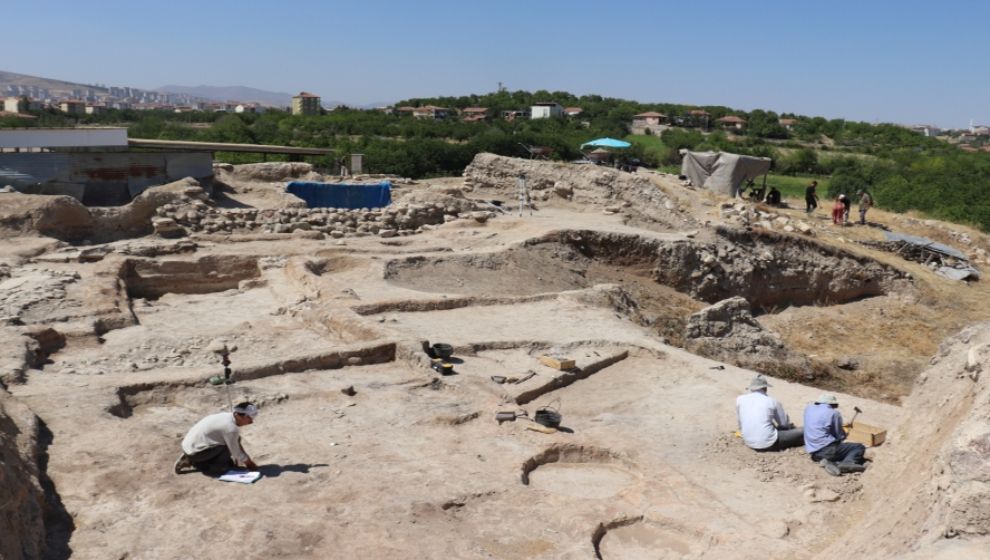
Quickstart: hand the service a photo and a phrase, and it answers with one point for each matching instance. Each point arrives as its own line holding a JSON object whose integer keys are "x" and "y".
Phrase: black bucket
{"x": 548, "y": 416}
{"x": 443, "y": 351}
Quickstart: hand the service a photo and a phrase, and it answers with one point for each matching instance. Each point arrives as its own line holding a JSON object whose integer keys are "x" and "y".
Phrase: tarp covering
{"x": 341, "y": 195}
{"x": 965, "y": 273}
{"x": 926, "y": 243}
{"x": 722, "y": 172}
{"x": 606, "y": 143}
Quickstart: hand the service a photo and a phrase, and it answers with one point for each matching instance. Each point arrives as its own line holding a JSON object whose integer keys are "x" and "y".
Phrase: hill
{"x": 56, "y": 86}
{"x": 239, "y": 93}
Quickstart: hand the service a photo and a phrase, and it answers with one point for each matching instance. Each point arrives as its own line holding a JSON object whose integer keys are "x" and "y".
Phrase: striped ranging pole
{"x": 523, "y": 191}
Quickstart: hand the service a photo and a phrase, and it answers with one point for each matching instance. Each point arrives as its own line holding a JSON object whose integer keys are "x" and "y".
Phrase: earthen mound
{"x": 592, "y": 187}
{"x": 930, "y": 484}
{"x": 728, "y": 332}
{"x": 65, "y": 218}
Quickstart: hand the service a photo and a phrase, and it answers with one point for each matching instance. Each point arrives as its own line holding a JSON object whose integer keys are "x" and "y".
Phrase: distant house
{"x": 573, "y": 111}
{"x": 305, "y": 104}
{"x": 20, "y": 105}
{"x": 95, "y": 109}
{"x": 431, "y": 112}
{"x": 928, "y": 130}
{"x": 546, "y": 110}
{"x": 649, "y": 122}
{"x": 249, "y": 108}
{"x": 474, "y": 114}
{"x": 185, "y": 109}
{"x": 732, "y": 122}
{"x": 695, "y": 117}
{"x": 405, "y": 110}
{"x": 517, "y": 114}
{"x": 787, "y": 123}
{"x": 73, "y": 107}
{"x": 388, "y": 110}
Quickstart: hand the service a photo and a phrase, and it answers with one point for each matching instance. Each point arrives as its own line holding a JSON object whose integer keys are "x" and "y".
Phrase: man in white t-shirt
{"x": 762, "y": 420}
{"x": 213, "y": 445}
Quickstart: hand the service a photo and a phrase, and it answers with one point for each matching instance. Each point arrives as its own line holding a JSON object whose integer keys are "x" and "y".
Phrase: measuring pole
{"x": 226, "y": 379}
{"x": 523, "y": 191}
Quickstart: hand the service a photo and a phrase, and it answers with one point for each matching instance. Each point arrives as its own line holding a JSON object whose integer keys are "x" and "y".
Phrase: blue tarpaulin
{"x": 607, "y": 143}
{"x": 341, "y": 195}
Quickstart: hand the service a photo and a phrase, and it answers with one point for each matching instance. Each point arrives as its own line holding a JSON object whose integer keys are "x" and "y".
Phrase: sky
{"x": 906, "y": 61}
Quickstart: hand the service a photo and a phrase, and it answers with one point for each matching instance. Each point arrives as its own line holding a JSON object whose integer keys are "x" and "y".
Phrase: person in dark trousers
{"x": 811, "y": 197}
{"x": 847, "y": 202}
{"x": 213, "y": 445}
{"x": 763, "y": 423}
{"x": 823, "y": 438}
{"x": 773, "y": 197}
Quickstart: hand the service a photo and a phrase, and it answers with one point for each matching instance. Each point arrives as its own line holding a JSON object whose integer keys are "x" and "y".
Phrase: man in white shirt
{"x": 213, "y": 445}
{"x": 762, "y": 420}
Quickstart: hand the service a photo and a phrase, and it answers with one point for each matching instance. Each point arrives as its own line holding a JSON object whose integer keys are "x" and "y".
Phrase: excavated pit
{"x": 633, "y": 538}
{"x": 592, "y": 465}
{"x": 151, "y": 279}
{"x": 147, "y": 397}
{"x": 770, "y": 270}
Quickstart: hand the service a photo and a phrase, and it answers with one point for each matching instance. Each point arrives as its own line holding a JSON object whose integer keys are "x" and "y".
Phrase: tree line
{"x": 903, "y": 169}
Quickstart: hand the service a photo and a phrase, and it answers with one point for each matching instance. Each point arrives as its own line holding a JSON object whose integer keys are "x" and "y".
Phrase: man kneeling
{"x": 823, "y": 438}
{"x": 213, "y": 445}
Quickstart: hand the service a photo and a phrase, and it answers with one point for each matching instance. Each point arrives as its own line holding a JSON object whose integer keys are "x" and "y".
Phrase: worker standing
{"x": 865, "y": 203}
{"x": 811, "y": 197}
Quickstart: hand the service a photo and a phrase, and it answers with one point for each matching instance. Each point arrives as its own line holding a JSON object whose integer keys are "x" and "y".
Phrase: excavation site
{"x": 454, "y": 375}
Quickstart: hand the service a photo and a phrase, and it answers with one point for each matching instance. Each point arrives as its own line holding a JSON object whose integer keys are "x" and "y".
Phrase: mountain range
{"x": 205, "y": 92}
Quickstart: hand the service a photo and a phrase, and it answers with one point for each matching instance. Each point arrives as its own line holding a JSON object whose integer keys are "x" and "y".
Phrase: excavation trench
{"x": 769, "y": 270}
{"x": 151, "y": 279}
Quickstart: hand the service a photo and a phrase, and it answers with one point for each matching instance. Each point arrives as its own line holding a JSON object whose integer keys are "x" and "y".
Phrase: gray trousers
{"x": 786, "y": 439}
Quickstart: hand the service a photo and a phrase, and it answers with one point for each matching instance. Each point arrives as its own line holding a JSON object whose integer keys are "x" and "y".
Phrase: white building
{"x": 546, "y": 110}
{"x": 18, "y": 105}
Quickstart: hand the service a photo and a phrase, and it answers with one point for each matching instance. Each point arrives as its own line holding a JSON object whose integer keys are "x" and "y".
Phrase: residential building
{"x": 249, "y": 108}
{"x": 306, "y": 104}
{"x": 513, "y": 115}
{"x": 928, "y": 130}
{"x": 546, "y": 110}
{"x": 95, "y": 108}
{"x": 649, "y": 122}
{"x": 787, "y": 123}
{"x": 405, "y": 110}
{"x": 431, "y": 112}
{"x": 573, "y": 111}
{"x": 14, "y": 105}
{"x": 474, "y": 114}
{"x": 73, "y": 107}
{"x": 732, "y": 122}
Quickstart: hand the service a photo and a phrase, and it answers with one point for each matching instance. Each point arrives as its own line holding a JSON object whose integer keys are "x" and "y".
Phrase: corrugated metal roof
{"x": 926, "y": 243}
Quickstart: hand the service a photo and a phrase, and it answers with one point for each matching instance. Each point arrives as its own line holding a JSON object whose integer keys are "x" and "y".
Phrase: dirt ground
{"x": 646, "y": 464}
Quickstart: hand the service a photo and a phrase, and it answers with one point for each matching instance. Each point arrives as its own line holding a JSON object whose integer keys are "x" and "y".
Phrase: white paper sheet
{"x": 240, "y": 476}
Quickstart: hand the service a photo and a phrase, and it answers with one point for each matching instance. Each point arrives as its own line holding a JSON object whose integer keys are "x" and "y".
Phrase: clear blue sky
{"x": 891, "y": 61}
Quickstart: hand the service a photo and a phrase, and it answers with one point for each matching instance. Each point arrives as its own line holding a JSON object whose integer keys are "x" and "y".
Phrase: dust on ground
{"x": 606, "y": 271}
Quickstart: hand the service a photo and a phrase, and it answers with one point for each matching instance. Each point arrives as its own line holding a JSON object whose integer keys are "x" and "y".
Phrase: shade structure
{"x": 606, "y": 143}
